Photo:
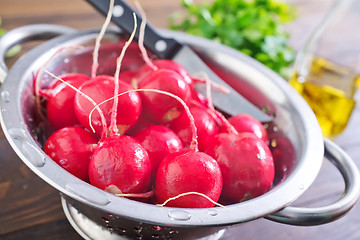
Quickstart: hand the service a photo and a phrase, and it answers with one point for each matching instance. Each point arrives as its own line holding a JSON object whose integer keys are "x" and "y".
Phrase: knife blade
{"x": 168, "y": 48}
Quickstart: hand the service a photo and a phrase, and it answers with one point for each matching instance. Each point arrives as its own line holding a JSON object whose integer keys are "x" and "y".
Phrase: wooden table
{"x": 31, "y": 209}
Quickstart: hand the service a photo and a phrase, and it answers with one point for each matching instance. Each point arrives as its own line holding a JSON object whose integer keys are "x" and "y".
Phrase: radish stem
{"x": 213, "y": 84}
{"x": 95, "y": 64}
{"x": 136, "y": 195}
{"x": 191, "y": 193}
{"x": 229, "y": 126}
{"x": 113, "y": 127}
{"x": 141, "y": 37}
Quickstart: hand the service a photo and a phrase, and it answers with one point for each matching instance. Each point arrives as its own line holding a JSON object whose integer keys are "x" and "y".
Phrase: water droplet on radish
{"x": 301, "y": 187}
{"x": 89, "y": 193}
{"x": 5, "y": 95}
{"x": 179, "y": 215}
{"x": 33, "y": 154}
{"x": 212, "y": 212}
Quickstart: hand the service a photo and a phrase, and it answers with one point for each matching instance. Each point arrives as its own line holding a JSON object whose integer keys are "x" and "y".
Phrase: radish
{"x": 60, "y": 100}
{"x": 140, "y": 124}
{"x": 129, "y": 77}
{"x": 205, "y": 125}
{"x": 158, "y": 141}
{"x": 100, "y": 89}
{"x": 188, "y": 171}
{"x": 160, "y": 108}
{"x": 247, "y": 123}
{"x": 71, "y": 148}
{"x": 163, "y": 64}
{"x": 198, "y": 98}
{"x": 283, "y": 153}
{"x": 151, "y": 66}
{"x": 246, "y": 164}
{"x": 120, "y": 165}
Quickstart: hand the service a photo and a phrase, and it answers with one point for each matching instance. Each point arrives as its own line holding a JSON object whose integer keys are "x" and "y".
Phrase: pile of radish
{"x": 146, "y": 134}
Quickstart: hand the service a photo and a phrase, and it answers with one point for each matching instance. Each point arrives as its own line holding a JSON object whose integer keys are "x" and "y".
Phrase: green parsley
{"x": 254, "y": 27}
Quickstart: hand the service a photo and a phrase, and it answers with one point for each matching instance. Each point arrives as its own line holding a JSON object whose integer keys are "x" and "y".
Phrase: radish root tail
{"x": 113, "y": 127}
{"x": 191, "y": 193}
{"x": 141, "y": 37}
{"x": 95, "y": 64}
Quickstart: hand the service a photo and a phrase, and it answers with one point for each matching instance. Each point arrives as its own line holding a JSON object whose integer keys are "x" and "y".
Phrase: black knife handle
{"x": 123, "y": 17}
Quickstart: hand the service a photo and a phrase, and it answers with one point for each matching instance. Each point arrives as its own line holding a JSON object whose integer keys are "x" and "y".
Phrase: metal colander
{"x": 295, "y": 133}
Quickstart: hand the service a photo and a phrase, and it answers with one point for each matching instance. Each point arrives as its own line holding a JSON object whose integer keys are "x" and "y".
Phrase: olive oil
{"x": 329, "y": 90}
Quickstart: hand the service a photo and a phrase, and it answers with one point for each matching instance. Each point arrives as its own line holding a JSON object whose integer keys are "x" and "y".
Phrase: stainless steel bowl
{"x": 294, "y": 125}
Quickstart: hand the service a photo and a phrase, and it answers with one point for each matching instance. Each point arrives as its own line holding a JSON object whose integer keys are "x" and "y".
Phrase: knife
{"x": 231, "y": 103}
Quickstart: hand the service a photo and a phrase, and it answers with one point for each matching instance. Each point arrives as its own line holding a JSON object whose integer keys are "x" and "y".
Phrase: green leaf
{"x": 254, "y": 27}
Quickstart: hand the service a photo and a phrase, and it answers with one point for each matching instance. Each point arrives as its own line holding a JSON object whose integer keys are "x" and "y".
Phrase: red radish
{"x": 129, "y": 77}
{"x": 160, "y": 108}
{"x": 149, "y": 66}
{"x": 140, "y": 124}
{"x": 37, "y": 90}
{"x": 188, "y": 171}
{"x": 120, "y": 165}
{"x": 100, "y": 89}
{"x": 198, "y": 98}
{"x": 164, "y": 64}
{"x": 205, "y": 125}
{"x": 246, "y": 164}
{"x": 247, "y": 123}
{"x": 158, "y": 141}
{"x": 283, "y": 153}
{"x": 71, "y": 148}
{"x": 60, "y": 104}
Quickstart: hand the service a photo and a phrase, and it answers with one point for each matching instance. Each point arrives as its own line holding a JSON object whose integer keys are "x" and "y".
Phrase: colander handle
{"x": 24, "y": 34}
{"x": 302, "y": 216}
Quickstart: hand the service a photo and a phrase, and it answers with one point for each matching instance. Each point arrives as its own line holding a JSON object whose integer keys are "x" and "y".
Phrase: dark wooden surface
{"x": 31, "y": 209}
